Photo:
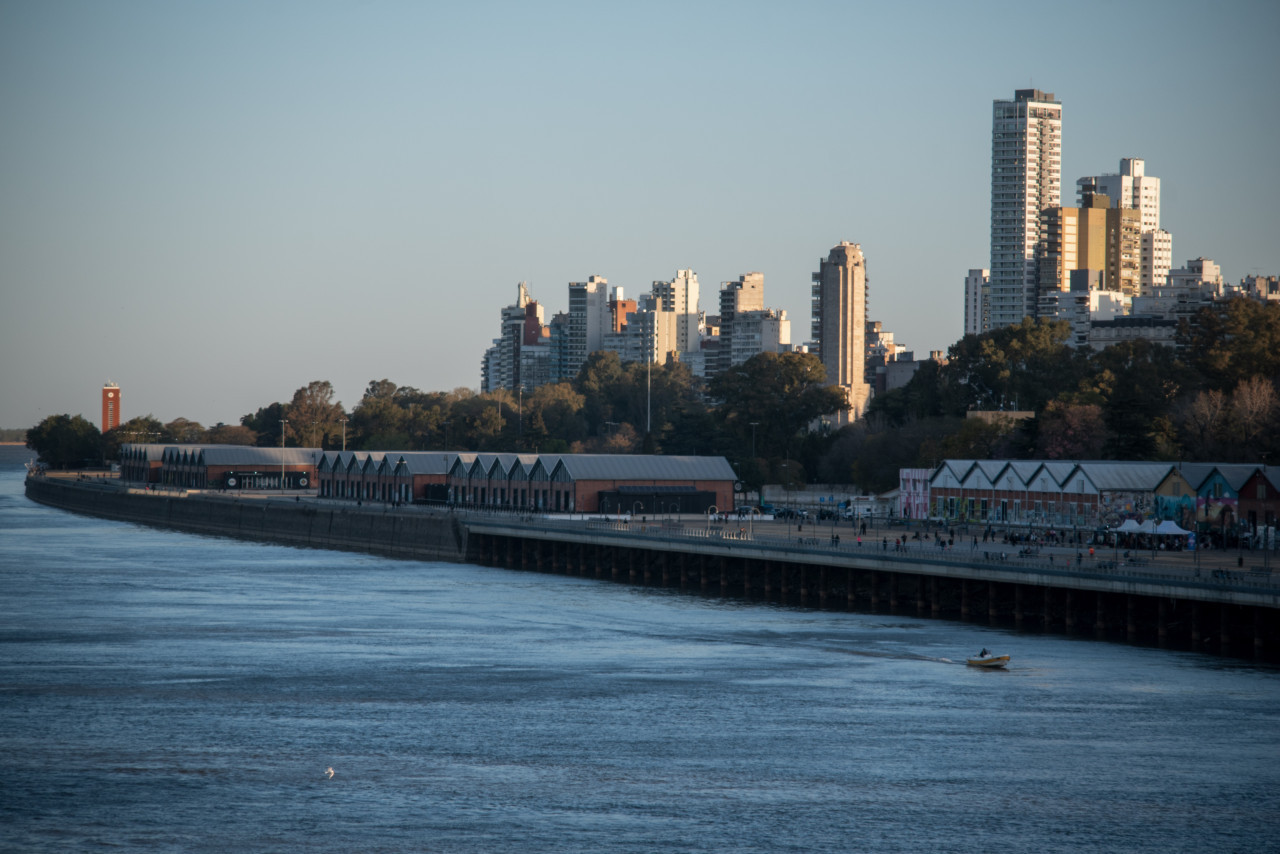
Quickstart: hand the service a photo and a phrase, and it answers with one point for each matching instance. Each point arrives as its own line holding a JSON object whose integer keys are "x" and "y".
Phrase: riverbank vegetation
{"x": 1212, "y": 397}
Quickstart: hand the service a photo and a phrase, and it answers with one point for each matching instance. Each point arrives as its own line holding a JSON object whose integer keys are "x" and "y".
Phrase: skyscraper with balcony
{"x": 839, "y": 328}
{"x": 1026, "y": 167}
{"x": 588, "y": 320}
{"x": 977, "y": 302}
{"x": 1132, "y": 188}
{"x": 680, "y": 295}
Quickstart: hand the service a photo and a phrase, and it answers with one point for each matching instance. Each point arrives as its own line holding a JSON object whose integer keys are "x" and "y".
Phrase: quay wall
{"x": 416, "y": 534}
{"x": 1236, "y": 618}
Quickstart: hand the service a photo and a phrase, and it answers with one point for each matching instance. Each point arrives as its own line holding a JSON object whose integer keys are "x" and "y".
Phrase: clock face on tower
{"x": 111, "y": 394}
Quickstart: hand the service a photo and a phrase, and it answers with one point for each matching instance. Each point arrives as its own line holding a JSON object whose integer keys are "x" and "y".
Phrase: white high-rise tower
{"x": 681, "y": 296}
{"x": 1026, "y": 167}
{"x": 1130, "y": 188}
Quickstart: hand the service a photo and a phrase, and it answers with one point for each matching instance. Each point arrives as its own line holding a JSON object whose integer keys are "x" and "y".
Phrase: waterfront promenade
{"x": 1229, "y": 599}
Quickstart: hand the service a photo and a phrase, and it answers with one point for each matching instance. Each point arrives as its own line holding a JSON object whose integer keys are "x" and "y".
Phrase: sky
{"x": 214, "y": 204}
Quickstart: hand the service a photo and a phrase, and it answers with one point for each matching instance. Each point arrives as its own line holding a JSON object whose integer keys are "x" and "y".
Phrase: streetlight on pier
{"x": 754, "y": 424}
{"x": 283, "y": 425}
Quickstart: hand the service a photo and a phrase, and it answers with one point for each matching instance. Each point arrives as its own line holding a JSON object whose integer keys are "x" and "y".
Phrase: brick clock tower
{"x": 110, "y": 406}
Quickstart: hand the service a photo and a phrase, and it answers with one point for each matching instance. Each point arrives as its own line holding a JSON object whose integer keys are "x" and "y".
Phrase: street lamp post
{"x": 283, "y": 424}
{"x": 344, "y": 434}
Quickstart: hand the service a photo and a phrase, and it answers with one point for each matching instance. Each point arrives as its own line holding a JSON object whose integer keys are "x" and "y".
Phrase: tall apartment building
{"x": 1262, "y": 288}
{"x": 1026, "y": 166}
{"x": 1157, "y": 259}
{"x": 588, "y": 320}
{"x": 1133, "y": 189}
{"x": 619, "y": 310}
{"x": 110, "y": 407}
{"x": 680, "y": 295}
{"x": 1094, "y": 236}
{"x": 504, "y": 364}
{"x": 746, "y": 294}
{"x": 758, "y": 331}
{"x": 648, "y": 336}
{"x": 839, "y": 323}
{"x": 977, "y": 317}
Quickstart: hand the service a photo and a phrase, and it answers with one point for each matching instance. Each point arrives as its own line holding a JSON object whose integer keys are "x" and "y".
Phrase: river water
{"x": 168, "y": 692}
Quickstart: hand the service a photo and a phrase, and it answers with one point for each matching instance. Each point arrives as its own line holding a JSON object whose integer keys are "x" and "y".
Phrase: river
{"x": 169, "y": 692}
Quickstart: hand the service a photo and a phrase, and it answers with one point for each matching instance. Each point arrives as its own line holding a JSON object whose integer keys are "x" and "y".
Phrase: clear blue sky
{"x": 213, "y": 204}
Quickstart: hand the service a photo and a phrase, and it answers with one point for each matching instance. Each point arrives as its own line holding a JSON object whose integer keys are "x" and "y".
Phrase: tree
{"x": 596, "y": 380}
{"x": 378, "y": 422}
{"x": 265, "y": 424}
{"x": 1140, "y": 381}
{"x": 141, "y": 429}
{"x": 185, "y": 432}
{"x": 66, "y": 441}
{"x": 1203, "y": 422}
{"x": 314, "y": 415}
{"x": 1071, "y": 431}
{"x": 554, "y": 411}
{"x": 782, "y": 393}
{"x": 1232, "y": 341}
{"x": 1253, "y": 416}
{"x": 230, "y": 434}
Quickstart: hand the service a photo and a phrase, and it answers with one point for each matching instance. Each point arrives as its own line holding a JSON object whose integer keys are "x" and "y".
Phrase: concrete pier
{"x": 1234, "y": 613}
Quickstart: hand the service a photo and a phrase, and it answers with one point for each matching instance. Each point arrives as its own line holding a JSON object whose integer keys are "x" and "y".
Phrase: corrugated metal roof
{"x": 1237, "y": 475}
{"x": 646, "y": 467}
{"x": 958, "y": 470}
{"x": 1126, "y": 476}
{"x": 1059, "y": 471}
{"x": 246, "y": 455}
{"x": 1025, "y": 469}
{"x": 144, "y": 450}
{"x": 423, "y": 462}
{"x": 983, "y": 471}
{"x": 1196, "y": 473}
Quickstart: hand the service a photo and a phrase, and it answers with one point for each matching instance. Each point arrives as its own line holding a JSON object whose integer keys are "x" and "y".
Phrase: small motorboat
{"x": 985, "y": 659}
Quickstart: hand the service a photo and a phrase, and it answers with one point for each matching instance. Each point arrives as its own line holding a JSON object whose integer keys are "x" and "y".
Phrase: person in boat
{"x": 984, "y": 653}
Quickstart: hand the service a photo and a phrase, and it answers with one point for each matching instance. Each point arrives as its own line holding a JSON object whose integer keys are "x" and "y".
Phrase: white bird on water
{"x": 328, "y": 772}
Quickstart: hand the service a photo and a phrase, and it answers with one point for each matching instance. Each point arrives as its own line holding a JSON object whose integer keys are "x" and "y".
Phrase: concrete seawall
{"x": 415, "y": 534}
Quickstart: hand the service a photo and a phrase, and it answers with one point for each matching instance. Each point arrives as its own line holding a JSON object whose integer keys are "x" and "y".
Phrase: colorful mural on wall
{"x": 1217, "y": 512}
{"x": 1181, "y": 509}
{"x": 1115, "y": 507}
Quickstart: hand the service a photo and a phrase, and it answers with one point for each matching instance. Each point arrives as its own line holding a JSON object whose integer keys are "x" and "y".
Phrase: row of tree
{"x": 1214, "y": 397}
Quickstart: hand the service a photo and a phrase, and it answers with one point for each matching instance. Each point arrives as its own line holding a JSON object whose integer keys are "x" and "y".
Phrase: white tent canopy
{"x": 1129, "y": 526}
{"x": 1170, "y": 527}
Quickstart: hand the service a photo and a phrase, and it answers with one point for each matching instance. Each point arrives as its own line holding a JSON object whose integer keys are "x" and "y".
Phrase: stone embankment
{"x": 413, "y": 533}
